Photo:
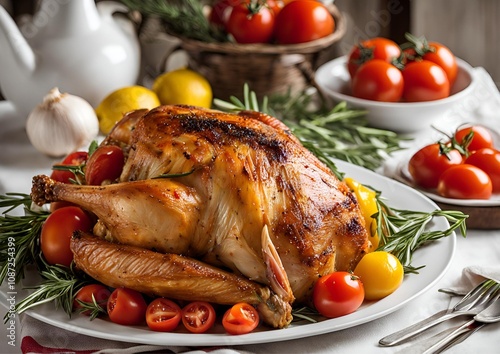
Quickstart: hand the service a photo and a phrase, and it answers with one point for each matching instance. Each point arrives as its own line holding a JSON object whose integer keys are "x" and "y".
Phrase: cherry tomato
{"x": 220, "y": 11}
{"x": 488, "y": 160}
{"x": 374, "y": 48}
{"x": 74, "y": 159}
{"x": 338, "y": 294}
{"x": 303, "y": 21}
{"x": 163, "y": 315}
{"x": 241, "y": 318}
{"x": 381, "y": 274}
{"x": 275, "y": 5}
{"x": 425, "y": 81}
{"x": 481, "y": 137}
{"x": 378, "y": 80}
{"x": 126, "y": 307}
{"x": 105, "y": 164}
{"x": 198, "y": 316}
{"x": 427, "y": 164}
{"x": 88, "y": 293}
{"x": 465, "y": 182}
{"x": 56, "y": 233}
{"x": 443, "y": 57}
{"x": 250, "y": 24}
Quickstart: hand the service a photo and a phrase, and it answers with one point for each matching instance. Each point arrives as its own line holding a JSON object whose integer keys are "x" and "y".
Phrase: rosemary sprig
{"x": 402, "y": 232}
{"x": 181, "y": 17}
{"x": 59, "y": 284}
{"x": 19, "y": 244}
{"x": 93, "y": 309}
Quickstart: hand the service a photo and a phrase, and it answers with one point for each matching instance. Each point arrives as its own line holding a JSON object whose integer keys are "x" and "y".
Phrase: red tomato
{"x": 427, "y": 164}
{"x": 488, "y": 160}
{"x": 198, "y": 316}
{"x": 424, "y": 81}
{"x": 220, "y": 11}
{"x": 443, "y": 57}
{"x": 241, "y": 318}
{"x": 126, "y": 307}
{"x": 88, "y": 293}
{"x": 338, "y": 294}
{"x": 105, "y": 164}
{"x": 56, "y": 233}
{"x": 163, "y": 315}
{"x": 275, "y": 5}
{"x": 303, "y": 21}
{"x": 465, "y": 182}
{"x": 74, "y": 159}
{"x": 480, "y": 137}
{"x": 248, "y": 23}
{"x": 378, "y": 80}
{"x": 374, "y": 48}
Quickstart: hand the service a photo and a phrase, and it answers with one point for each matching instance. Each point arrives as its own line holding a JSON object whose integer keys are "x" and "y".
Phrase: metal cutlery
{"x": 473, "y": 303}
{"x": 489, "y": 315}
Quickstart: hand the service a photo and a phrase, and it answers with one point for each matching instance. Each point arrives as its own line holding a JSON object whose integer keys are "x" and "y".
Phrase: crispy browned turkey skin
{"x": 236, "y": 192}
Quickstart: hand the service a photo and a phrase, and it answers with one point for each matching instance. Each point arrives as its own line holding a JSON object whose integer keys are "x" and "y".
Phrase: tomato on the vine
{"x": 251, "y": 23}
{"x": 378, "y": 80}
{"x": 374, "y": 48}
{"x": 381, "y": 274}
{"x": 88, "y": 293}
{"x": 488, "y": 160}
{"x": 481, "y": 137}
{"x": 428, "y": 163}
{"x": 443, "y": 57}
{"x": 241, "y": 318}
{"x": 465, "y": 182}
{"x": 74, "y": 159}
{"x": 163, "y": 315}
{"x": 424, "y": 81}
{"x": 105, "y": 164}
{"x": 198, "y": 316}
{"x": 302, "y": 21}
{"x": 338, "y": 294}
{"x": 55, "y": 236}
{"x": 126, "y": 307}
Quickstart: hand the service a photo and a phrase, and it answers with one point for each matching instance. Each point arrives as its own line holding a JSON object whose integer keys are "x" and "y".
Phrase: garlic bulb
{"x": 61, "y": 124}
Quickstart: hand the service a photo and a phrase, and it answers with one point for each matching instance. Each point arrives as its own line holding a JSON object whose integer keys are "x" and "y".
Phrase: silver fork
{"x": 471, "y": 304}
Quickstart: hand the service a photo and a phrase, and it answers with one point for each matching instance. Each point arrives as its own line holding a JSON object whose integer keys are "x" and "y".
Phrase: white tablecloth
{"x": 19, "y": 162}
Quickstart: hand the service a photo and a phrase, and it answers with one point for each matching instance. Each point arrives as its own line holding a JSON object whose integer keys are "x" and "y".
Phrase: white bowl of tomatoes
{"x": 390, "y": 110}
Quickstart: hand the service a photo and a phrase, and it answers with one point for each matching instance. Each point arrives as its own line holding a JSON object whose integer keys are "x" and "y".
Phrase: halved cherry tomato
{"x": 302, "y": 21}
{"x": 74, "y": 159}
{"x": 249, "y": 23}
{"x": 488, "y": 160}
{"x": 425, "y": 81}
{"x": 465, "y": 182}
{"x": 428, "y": 163}
{"x": 338, "y": 294}
{"x": 126, "y": 307}
{"x": 105, "y": 164}
{"x": 374, "y": 48}
{"x": 56, "y": 233}
{"x": 241, "y": 318}
{"x": 163, "y": 315}
{"x": 88, "y": 293}
{"x": 481, "y": 137}
{"x": 198, "y": 316}
{"x": 378, "y": 80}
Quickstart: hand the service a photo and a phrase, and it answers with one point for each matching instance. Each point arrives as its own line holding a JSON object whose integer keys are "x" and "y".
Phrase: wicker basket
{"x": 267, "y": 68}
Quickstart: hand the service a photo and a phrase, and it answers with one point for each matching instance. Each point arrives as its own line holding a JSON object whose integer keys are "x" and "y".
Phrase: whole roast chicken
{"x": 217, "y": 207}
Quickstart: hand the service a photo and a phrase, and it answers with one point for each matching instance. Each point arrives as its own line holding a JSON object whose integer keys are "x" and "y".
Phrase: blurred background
{"x": 469, "y": 28}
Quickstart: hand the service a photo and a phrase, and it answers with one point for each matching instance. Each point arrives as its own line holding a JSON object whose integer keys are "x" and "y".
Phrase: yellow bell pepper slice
{"x": 367, "y": 202}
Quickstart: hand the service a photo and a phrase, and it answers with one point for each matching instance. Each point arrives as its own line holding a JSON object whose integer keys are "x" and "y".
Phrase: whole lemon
{"x": 123, "y": 100}
{"x": 183, "y": 86}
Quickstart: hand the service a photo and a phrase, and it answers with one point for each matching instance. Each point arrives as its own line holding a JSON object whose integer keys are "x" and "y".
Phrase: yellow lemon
{"x": 183, "y": 86}
{"x": 126, "y": 99}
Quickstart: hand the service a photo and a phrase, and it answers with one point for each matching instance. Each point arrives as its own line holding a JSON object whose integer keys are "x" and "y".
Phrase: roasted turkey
{"x": 215, "y": 206}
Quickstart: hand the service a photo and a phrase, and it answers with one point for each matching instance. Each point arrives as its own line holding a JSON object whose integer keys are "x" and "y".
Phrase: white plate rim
{"x": 412, "y": 287}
